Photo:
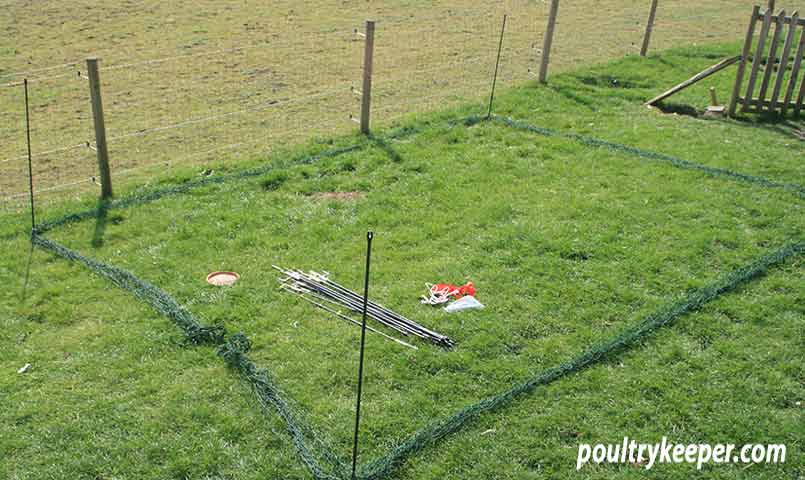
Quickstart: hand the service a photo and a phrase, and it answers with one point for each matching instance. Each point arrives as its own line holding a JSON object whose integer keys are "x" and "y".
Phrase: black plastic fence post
{"x": 497, "y": 65}
{"x": 369, "y": 236}
{"x": 30, "y": 166}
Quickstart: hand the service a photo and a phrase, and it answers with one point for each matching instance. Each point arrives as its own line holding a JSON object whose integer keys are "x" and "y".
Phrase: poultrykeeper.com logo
{"x": 651, "y": 454}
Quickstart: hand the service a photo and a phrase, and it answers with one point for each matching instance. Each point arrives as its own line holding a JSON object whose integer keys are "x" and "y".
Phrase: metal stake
{"x": 301, "y": 295}
{"x": 30, "y": 166}
{"x": 497, "y": 65}
{"x": 319, "y": 285}
{"x": 369, "y": 236}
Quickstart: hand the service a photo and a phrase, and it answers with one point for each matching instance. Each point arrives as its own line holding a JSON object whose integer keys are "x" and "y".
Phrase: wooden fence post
{"x": 366, "y": 93}
{"x": 100, "y": 128}
{"x": 649, "y": 27}
{"x": 713, "y": 97}
{"x": 546, "y": 46}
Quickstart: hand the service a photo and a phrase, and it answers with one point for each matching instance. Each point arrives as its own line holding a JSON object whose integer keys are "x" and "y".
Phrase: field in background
{"x": 185, "y": 85}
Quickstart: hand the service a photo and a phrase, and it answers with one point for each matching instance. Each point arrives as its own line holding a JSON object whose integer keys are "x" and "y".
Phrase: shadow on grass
{"x": 774, "y": 122}
{"x": 568, "y": 93}
{"x": 611, "y": 81}
{"x": 678, "y": 108}
{"x": 384, "y": 145}
{"x": 785, "y": 126}
{"x": 101, "y": 218}
{"x": 665, "y": 61}
{"x": 27, "y": 273}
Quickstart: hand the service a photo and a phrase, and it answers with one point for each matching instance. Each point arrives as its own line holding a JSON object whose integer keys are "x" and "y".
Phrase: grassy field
{"x": 188, "y": 86}
{"x": 569, "y": 243}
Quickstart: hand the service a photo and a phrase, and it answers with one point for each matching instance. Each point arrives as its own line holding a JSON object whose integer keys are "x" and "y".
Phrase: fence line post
{"x": 649, "y": 27}
{"x": 369, "y": 236}
{"x": 366, "y": 92}
{"x": 497, "y": 67}
{"x": 100, "y": 127}
{"x": 30, "y": 159}
{"x": 546, "y": 46}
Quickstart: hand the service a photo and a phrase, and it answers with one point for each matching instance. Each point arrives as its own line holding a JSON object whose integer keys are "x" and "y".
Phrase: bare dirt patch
{"x": 344, "y": 196}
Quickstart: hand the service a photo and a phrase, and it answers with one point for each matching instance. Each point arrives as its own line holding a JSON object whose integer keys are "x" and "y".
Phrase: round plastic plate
{"x": 222, "y": 278}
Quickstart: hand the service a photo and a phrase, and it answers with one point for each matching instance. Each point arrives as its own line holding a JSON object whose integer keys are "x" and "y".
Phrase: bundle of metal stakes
{"x": 317, "y": 286}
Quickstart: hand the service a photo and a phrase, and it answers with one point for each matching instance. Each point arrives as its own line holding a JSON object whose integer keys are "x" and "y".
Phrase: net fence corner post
{"x": 100, "y": 127}
{"x": 366, "y": 93}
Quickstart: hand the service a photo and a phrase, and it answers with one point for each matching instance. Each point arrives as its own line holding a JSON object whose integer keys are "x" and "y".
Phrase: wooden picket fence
{"x": 767, "y": 58}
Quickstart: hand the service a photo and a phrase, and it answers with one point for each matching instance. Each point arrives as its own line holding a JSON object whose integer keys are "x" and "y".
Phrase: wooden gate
{"x": 767, "y": 58}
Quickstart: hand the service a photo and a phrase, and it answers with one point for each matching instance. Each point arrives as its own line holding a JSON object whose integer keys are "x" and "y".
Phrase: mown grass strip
{"x": 628, "y": 338}
{"x": 160, "y": 301}
{"x": 153, "y": 195}
{"x": 798, "y": 190}
{"x": 143, "y": 198}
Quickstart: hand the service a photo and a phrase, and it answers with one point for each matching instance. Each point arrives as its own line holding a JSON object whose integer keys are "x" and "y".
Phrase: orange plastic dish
{"x": 222, "y": 278}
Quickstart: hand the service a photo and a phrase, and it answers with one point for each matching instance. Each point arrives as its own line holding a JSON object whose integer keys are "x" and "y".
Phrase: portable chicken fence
{"x": 314, "y": 451}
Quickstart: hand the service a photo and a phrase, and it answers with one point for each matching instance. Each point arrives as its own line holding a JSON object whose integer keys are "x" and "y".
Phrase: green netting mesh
{"x": 148, "y": 293}
{"x": 269, "y": 395}
{"x": 150, "y": 196}
{"x": 434, "y": 432}
{"x": 235, "y": 348}
{"x": 798, "y": 190}
{"x": 316, "y": 454}
{"x": 233, "y": 351}
{"x": 143, "y": 198}
{"x": 153, "y": 195}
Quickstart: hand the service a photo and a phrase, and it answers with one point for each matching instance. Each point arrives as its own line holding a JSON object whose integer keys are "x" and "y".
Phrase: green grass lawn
{"x": 568, "y": 244}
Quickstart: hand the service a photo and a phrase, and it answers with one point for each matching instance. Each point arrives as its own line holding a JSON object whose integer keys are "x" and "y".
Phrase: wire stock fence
{"x": 243, "y": 100}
